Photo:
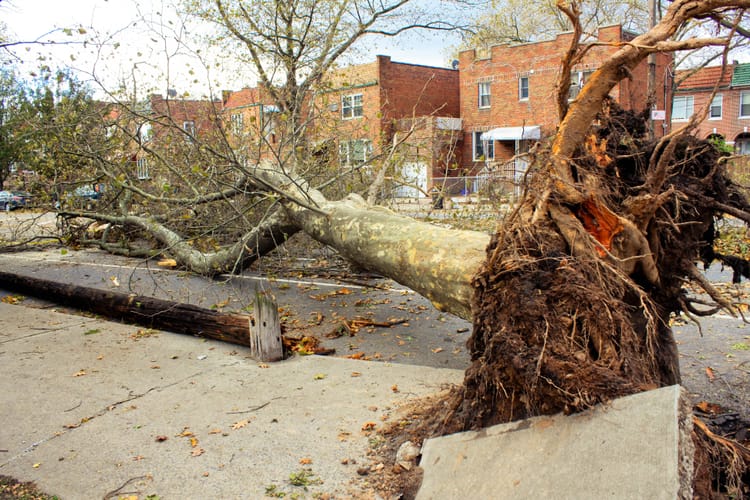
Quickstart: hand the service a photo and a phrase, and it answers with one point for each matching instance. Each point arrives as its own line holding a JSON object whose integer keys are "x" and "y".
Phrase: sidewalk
{"x": 95, "y": 409}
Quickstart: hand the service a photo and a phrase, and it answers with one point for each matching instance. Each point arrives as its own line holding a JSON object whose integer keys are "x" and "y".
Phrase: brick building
{"x": 251, "y": 123}
{"x": 729, "y": 110}
{"x": 174, "y": 125}
{"x": 363, "y": 107}
{"x": 508, "y": 95}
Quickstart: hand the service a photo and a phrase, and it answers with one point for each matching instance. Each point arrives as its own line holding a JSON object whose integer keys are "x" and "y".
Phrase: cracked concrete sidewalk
{"x": 96, "y": 409}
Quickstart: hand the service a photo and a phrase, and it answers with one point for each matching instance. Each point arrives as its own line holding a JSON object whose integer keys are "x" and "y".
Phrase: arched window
{"x": 742, "y": 144}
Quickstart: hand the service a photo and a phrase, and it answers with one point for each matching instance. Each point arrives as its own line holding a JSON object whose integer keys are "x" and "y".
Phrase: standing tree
{"x": 509, "y": 21}
{"x": 62, "y": 126}
{"x": 11, "y": 109}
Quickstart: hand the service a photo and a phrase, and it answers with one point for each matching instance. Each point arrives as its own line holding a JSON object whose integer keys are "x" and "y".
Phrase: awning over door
{"x": 512, "y": 133}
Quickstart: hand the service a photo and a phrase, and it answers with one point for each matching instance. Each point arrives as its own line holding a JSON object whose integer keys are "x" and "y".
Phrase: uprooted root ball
{"x": 553, "y": 333}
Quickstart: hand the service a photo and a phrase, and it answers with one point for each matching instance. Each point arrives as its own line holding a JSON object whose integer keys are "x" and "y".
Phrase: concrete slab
{"x": 635, "y": 447}
{"x": 91, "y": 408}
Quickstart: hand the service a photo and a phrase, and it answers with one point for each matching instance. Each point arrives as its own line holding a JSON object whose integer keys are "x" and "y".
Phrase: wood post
{"x": 265, "y": 328}
{"x": 261, "y": 333}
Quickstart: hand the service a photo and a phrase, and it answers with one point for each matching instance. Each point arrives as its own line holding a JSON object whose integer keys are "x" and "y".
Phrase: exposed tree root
{"x": 573, "y": 309}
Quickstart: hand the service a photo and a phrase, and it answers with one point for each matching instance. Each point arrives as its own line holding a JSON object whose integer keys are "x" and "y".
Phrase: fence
{"x": 502, "y": 181}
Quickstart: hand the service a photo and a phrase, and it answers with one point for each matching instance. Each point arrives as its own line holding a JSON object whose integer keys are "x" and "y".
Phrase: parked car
{"x": 25, "y": 196}
{"x": 87, "y": 193}
{"x": 10, "y": 200}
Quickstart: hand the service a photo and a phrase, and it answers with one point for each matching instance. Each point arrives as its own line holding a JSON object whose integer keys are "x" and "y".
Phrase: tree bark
{"x": 436, "y": 262}
{"x": 149, "y": 312}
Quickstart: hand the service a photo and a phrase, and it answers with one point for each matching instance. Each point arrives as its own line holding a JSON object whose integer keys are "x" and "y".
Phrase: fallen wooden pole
{"x": 261, "y": 334}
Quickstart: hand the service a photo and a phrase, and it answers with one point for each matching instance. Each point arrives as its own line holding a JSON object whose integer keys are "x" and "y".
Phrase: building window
{"x": 351, "y": 106}
{"x": 523, "y": 88}
{"x": 577, "y": 80}
{"x": 353, "y": 153}
{"x": 189, "y": 127}
{"x": 742, "y": 144}
{"x": 483, "y": 150}
{"x": 745, "y": 105}
{"x": 716, "y": 108}
{"x": 484, "y": 95}
{"x": 237, "y": 120}
{"x": 141, "y": 167}
{"x": 682, "y": 107}
{"x": 145, "y": 133}
{"x": 268, "y": 119}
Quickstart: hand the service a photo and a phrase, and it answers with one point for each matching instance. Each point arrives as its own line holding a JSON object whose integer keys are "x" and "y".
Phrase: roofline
{"x": 548, "y": 40}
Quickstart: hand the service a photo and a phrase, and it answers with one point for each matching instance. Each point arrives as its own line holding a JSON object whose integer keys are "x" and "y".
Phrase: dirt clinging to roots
{"x": 558, "y": 331}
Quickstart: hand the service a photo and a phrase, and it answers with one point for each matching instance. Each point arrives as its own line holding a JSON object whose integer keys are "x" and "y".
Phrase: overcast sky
{"x": 33, "y": 19}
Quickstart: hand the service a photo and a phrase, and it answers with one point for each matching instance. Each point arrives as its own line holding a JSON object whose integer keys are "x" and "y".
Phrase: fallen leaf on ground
{"x": 305, "y": 461}
{"x": 368, "y": 426}
{"x": 240, "y": 424}
{"x": 222, "y": 304}
{"x": 79, "y": 373}
{"x": 198, "y": 452}
{"x": 394, "y": 388}
{"x": 306, "y": 345}
{"x": 160, "y": 439}
{"x": 437, "y": 350}
{"x": 215, "y": 431}
{"x": 707, "y": 407}
{"x": 710, "y": 373}
{"x": 356, "y": 374}
{"x": 167, "y": 263}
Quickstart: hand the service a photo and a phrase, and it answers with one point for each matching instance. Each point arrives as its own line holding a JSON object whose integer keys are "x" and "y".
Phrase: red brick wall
{"x": 204, "y": 114}
{"x": 730, "y": 125}
{"x": 408, "y": 90}
{"x": 540, "y": 62}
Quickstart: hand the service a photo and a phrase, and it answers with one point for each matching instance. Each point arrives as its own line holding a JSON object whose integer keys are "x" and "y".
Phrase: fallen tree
{"x": 572, "y": 296}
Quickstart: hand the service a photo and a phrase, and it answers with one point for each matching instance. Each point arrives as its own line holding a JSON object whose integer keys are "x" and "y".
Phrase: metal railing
{"x": 503, "y": 179}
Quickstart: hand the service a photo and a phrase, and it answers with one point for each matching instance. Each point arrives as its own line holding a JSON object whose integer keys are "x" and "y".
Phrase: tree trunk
{"x": 150, "y": 312}
{"x": 436, "y": 262}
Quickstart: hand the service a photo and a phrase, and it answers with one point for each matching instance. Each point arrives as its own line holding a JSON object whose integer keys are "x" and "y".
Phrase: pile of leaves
{"x": 13, "y": 489}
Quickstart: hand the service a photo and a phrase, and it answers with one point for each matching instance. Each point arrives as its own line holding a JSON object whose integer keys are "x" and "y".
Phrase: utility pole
{"x": 651, "y": 85}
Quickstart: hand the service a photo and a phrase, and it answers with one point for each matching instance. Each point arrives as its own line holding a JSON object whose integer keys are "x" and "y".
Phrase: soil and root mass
{"x": 572, "y": 306}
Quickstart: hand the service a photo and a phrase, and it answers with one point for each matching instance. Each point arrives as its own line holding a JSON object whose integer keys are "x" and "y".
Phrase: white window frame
{"x": 523, "y": 88}
{"x": 742, "y": 146}
{"x": 745, "y": 103}
{"x": 352, "y": 106}
{"x": 269, "y": 117}
{"x": 238, "y": 123}
{"x": 145, "y": 132}
{"x": 354, "y": 152}
{"x": 478, "y": 147}
{"x": 189, "y": 127}
{"x": 716, "y": 104}
{"x": 577, "y": 80}
{"x": 484, "y": 95}
{"x": 682, "y": 107}
{"x": 141, "y": 167}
